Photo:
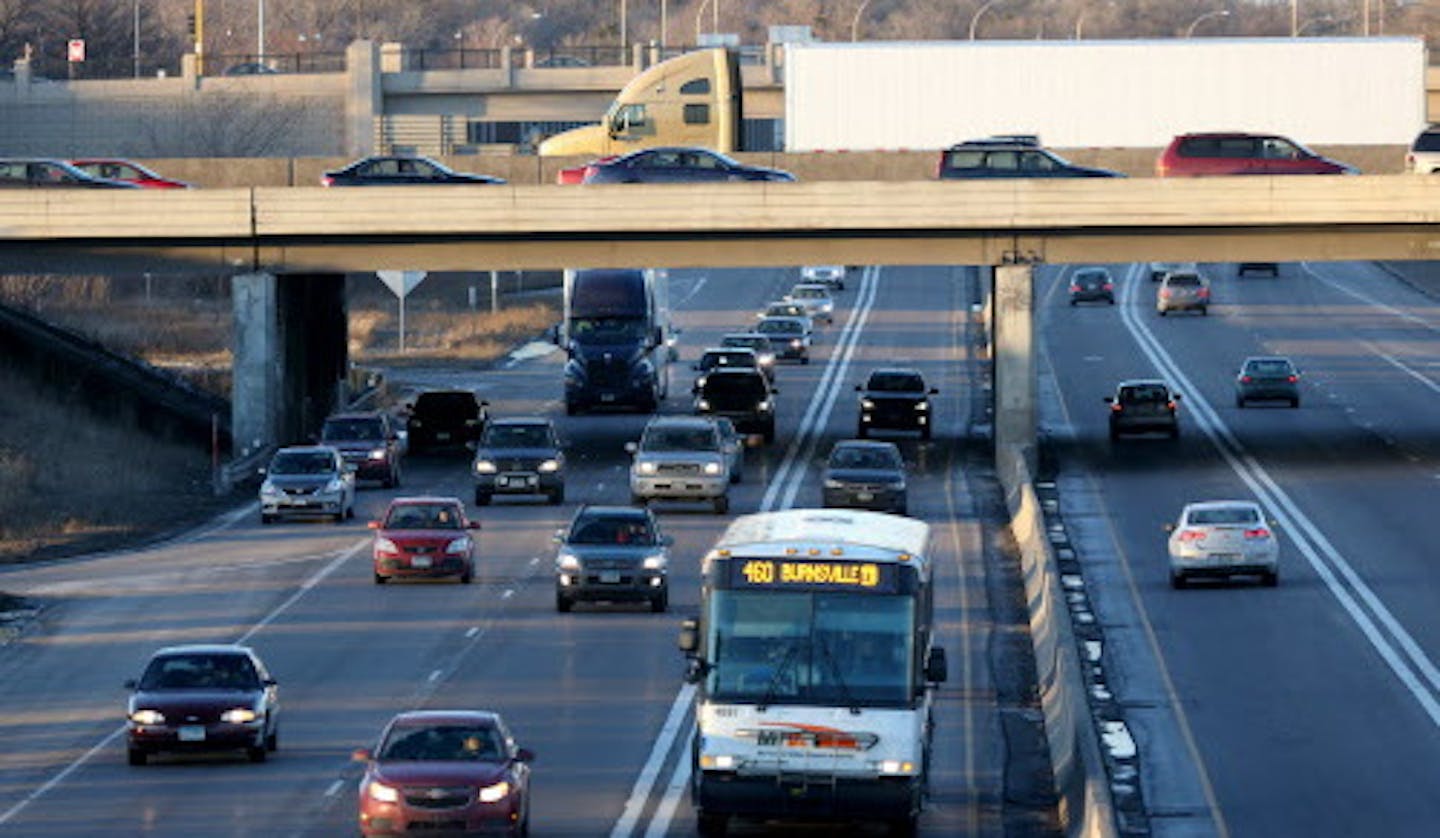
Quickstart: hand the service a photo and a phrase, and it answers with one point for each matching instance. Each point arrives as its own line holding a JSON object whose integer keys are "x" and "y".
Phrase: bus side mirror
{"x": 689, "y": 639}
{"x": 936, "y": 669}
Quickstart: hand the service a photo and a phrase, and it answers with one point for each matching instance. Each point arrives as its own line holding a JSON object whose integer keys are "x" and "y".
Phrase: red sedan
{"x": 457, "y": 771}
{"x": 576, "y": 174}
{"x": 424, "y": 538}
{"x": 127, "y": 171}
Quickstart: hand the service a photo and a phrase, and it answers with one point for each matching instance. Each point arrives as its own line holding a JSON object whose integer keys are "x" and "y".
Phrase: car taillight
{"x": 1116, "y": 407}
{"x": 1245, "y": 379}
{"x": 326, "y": 180}
{"x": 1205, "y": 293}
{"x": 1074, "y": 288}
{"x": 1171, "y": 405}
{"x": 1292, "y": 378}
{"x": 1164, "y": 293}
{"x": 1192, "y": 535}
{"x": 1258, "y": 532}
{"x": 1108, "y": 286}
{"x": 589, "y": 173}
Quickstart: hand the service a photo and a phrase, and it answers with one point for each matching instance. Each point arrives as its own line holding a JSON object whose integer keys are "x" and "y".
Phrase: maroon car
{"x": 128, "y": 171}
{"x": 424, "y": 538}
{"x": 1235, "y": 153}
{"x": 449, "y": 771}
{"x": 203, "y": 698}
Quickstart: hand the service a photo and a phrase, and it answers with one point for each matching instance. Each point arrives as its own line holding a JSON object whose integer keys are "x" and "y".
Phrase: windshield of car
{"x": 808, "y": 293}
{"x": 679, "y": 439}
{"x": 1428, "y": 141}
{"x": 781, "y": 327}
{"x": 612, "y": 530}
{"x": 517, "y": 436}
{"x": 1268, "y": 367}
{"x": 1144, "y": 394}
{"x": 893, "y": 382}
{"x": 302, "y": 462}
{"x": 785, "y": 309}
{"x": 423, "y": 516}
{"x": 347, "y": 429}
{"x": 710, "y": 360}
{"x": 1090, "y": 278}
{"x": 758, "y": 342}
{"x": 1186, "y": 280}
{"x": 1224, "y": 515}
{"x": 866, "y": 457}
{"x": 442, "y": 742}
{"x": 607, "y": 329}
{"x": 200, "y": 671}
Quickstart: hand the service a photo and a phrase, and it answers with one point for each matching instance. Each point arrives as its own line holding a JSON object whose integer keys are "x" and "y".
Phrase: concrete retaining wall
{"x": 1086, "y": 808}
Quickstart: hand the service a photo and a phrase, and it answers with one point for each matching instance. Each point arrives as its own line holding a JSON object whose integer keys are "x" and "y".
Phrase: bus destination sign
{"x": 813, "y": 574}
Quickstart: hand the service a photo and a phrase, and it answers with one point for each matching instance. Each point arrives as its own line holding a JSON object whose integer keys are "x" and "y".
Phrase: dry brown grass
{"x": 75, "y": 482}
{"x": 440, "y": 335}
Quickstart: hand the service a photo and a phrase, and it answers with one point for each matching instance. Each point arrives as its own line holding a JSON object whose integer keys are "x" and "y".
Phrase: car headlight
{"x": 898, "y": 485}
{"x": 495, "y": 793}
{"x": 767, "y": 359}
{"x": 335, "y": 485}
{"x": 646, "y": 467}
{"x": 922, "y": 405}
{"x": 868, "y": 404}
{"x": 568, "y": 562}
{"x": 268, "y": 490}
{"x": 702, "y": 404}
{"x": 796, "y": 343}
{"x": 238, "y": 716}
{"x": 377, "y": 454}
{"x": 712, "y": 468}
{"x": 147, "y": 717}
{"x": 459, "y": 545}
{"x": 833, "y": 484}
{"x": 827, "y": 307}
{"x": 484, "y": 467}
{"x": 656, "y": 562}
{"x": 416, "y": 423}
{"x": 644, "y": 369}
{"x": 385, "y": 545}
{"x": 383, "y": 793}
{"x": 764, "y": 406}
{"x": 549, "y": 466}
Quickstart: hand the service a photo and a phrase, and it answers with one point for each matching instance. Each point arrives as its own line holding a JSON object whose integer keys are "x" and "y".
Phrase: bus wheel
{"x": 711, "y": 826}
{"x": 906, "y": 827}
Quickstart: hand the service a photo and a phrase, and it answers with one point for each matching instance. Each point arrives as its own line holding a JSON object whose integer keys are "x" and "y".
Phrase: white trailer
{"x": 1102, "y": 94}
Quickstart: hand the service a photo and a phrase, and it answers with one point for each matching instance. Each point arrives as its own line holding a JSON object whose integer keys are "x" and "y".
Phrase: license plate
{"x": 442, "y": 436}
{"x": 610, "y": 577}
{"x": 420, "y": 561}
{"x": 516, "y": 480}
{"x": 607, "y": 397}
{"x": 192, "y": 733}
{"x": 862, "y": 496}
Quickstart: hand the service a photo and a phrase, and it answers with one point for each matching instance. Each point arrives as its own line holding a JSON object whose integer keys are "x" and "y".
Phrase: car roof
{"x": 1220, "y": 504}
{"x": 415, "y": 500}
{"x": 818, "y": 286}
{"x": 611, "y": 511}
{"x": 895, "y": 371}
{"x": 1142, "y": 382}
{"x": 864, "y": 443}
{"x": 419, "y": 717}
{"x": 520, "y": 420}
{"x": 448, "y": 392}
{"x": 790, "y": 317}
{"x": 721, "y": 373}
{"x": 1268, "y": 358}
{"x": 203, "y": 649}
{"x": 681, "y": 421}
{"x": 306, "y": 449}
{"x": 729, "y": 350}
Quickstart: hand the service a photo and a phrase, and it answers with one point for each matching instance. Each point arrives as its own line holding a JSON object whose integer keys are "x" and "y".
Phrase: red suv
{"x": 1191, "y": 155}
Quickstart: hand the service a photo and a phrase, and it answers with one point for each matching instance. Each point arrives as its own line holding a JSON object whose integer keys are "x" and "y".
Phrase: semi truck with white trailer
{"x": 1102, "y": 94}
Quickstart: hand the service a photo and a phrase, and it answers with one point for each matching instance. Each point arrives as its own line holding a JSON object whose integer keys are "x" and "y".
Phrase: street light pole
{"x": 260, "y": 31}
{"x": 699, "y": 16}
{"x": 855, "y": 22}
{"x": 975, "y": 18}
{"x": 135, "y": 44}
{"x": 624, "y": 30}
{"x": 1294, "y": 18}
{"x": 1300, "y": 30}
{"x": 1190, "y": 32}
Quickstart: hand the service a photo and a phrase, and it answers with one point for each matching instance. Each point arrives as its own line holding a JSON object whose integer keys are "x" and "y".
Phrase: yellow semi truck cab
{"x": 692, "y": 99}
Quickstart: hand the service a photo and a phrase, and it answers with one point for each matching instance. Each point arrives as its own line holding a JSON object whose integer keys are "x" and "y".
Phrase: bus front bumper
{"x": 799, "y": 795}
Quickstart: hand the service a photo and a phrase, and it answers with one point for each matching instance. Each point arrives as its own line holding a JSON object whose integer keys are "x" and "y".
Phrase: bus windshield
{"x": 840, "y": 649}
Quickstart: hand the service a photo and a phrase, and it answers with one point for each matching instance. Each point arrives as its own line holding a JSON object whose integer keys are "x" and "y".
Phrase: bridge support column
{"x": 1013, "y": 336}
{"x": 291, "y": 356}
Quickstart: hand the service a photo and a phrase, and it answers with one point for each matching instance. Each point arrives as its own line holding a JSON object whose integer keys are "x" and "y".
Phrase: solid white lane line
{"x": 110, "y": 738}
{"x": 1307, "y": 537}
{"x": 790, "y": 472}
{"x": 640, "y": 793}
{"x": 1402, "y": 366}
{"x": 1369, "y": 300}
{"x": 435, "y": 675}
{"x": 334, "y": 788}
{"x": 471, "y": 632}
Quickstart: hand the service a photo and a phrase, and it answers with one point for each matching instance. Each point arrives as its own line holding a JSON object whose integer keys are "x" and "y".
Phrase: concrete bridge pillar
{"x": 1014, "y": 369}
{"x": 290, "y": 357}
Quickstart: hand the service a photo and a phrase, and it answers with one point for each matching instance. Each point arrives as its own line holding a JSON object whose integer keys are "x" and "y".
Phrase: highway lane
{"x": 589, "y": 691}
{"x": 1310, "y": 709}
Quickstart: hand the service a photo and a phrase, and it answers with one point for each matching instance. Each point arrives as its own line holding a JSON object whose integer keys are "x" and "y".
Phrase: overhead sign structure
{"x": 401, "y": 283}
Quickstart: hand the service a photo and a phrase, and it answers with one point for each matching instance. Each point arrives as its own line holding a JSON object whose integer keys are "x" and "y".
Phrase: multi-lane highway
{"x": 597, "y": 693}
{"x": 1310, "y": 709}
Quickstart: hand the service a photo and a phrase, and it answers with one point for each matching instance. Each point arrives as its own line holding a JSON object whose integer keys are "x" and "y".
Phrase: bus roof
{"x": 859, "y": 534}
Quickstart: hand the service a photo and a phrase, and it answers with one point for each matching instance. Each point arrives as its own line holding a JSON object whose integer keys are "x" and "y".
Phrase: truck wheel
{"x": 660, "y": 602}
{"x": 557, "y": 496}
{"x": 482, "y": 498}
{"x": 907, "y": 827}
{"x": 380, "y": 580}
{"x": 572, "y": 409}
{"x": 563, "y": 603}
{"x": 136, "y": 756}
{"x": 722, "y": 504}
{"x": 1178, "y": 580}
{"x": 711, "y": 826}
{"x": 769, "y": 434}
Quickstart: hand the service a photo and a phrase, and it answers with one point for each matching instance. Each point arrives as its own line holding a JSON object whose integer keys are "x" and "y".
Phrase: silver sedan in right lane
{"x": 1223, "y": 538}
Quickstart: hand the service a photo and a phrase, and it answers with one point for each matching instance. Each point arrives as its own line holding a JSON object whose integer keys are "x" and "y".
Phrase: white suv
{"x": 680, "y": 458}
{"x": 831, "y": 275}
{"x": 1423, "y": 158}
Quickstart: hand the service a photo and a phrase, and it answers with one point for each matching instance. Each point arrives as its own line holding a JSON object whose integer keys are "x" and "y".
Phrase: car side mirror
{"x": 524, "y": 755}
{"x": 1175, "y": 397}
{"x": 373, "y": 525}
{"x": 696, "y": 367}
{"x": 689, "y": 638}
{"x": 1109, "y": 399}
{"x": 937, "y": 669}
{"x": 859, "y": 389}
{"x": 1168, "y": 526}
{"x": 558, "y": 537}
{"x": 774, "y": 391}
{"x": 131, "y": 684}
{"x": 270, "y": 682}
{"x": 631, "y": 447}
{"x": 262, "y": 471}
{"x": 472, "y": 525}
{"x": 552, "y": 334}
{"x": 361, "y": 755}
{"x": 934, "y": 391}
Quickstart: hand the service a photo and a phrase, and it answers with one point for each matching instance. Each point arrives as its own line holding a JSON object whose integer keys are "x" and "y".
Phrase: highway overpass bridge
{"x": 289, "y": 248}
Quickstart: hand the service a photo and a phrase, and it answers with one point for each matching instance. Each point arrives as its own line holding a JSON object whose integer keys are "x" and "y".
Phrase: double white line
{"x": 780, "y": 494}
{"x": 1411, "y": 665}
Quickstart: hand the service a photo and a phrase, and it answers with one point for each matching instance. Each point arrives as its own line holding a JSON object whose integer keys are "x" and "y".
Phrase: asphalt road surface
{"x": 597, "y": 693}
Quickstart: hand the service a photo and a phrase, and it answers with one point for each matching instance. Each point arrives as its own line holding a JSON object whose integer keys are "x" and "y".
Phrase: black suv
{"x": 369, "y": 442}
{"x": 519, "y": 456}
{"x": 1018, "y": 156}
{"x": 1143, "y": 406}
{"x": 744, "y": 396}
{"x": 896, "y": 399}
{"x": 440, "y": 419}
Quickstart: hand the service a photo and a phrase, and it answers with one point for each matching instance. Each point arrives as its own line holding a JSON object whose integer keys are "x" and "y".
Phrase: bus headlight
{"x": 897, "y": 766}
{"x": 720, "y": 762}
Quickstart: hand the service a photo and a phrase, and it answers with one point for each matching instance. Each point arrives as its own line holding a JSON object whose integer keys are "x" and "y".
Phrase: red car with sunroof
{"x": 425, "y": 538}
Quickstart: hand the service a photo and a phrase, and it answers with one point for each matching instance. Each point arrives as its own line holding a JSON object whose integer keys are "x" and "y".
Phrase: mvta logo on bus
{"x": 794, "y": 735}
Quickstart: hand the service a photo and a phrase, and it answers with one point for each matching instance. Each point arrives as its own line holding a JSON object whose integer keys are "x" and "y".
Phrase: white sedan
{"x": 1223, "y": 538}
{"x": 816, "y": 300}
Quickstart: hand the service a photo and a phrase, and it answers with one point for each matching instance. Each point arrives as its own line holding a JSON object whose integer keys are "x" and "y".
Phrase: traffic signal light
{"x": 190, "y": 24}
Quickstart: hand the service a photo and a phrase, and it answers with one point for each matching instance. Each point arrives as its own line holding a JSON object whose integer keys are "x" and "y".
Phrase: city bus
{"x": 815, "y": 670}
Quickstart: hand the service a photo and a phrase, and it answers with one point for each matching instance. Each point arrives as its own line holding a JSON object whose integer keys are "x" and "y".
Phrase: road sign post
{"x": 401, "y": 283}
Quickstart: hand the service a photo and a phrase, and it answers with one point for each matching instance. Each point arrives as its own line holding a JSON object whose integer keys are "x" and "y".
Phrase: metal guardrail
{"x": 463, "y": 58}
{"x": 250, "y": 64}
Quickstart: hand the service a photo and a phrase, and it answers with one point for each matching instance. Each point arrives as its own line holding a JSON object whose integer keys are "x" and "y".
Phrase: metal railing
{"x": 462, "y": 58}
{"x": 251, "y": 64}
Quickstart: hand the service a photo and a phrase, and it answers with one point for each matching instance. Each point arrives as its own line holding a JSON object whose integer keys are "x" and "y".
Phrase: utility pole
{"x": 200, "y": 37}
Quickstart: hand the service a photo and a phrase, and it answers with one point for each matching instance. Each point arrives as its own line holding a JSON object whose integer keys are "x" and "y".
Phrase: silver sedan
{"x": 1223, "y": 538}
